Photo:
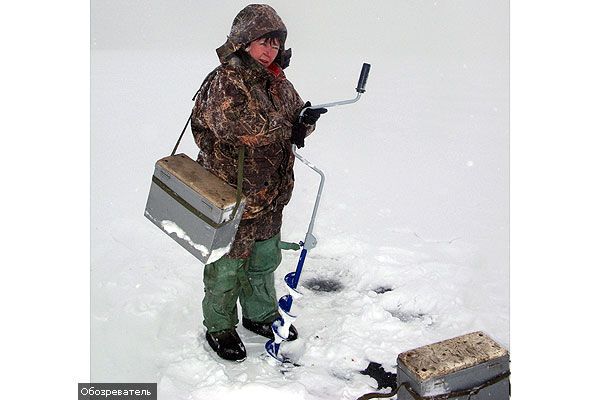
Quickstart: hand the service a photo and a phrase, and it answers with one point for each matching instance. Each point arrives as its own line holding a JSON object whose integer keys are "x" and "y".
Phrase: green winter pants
{"x": 251, "y": 280}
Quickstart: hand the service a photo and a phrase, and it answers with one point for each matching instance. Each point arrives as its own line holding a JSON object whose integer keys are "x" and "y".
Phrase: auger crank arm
{"x": 360, "y": 89}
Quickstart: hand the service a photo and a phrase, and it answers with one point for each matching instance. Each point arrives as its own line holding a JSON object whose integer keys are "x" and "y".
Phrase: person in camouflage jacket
{"x": 248, "y": 102}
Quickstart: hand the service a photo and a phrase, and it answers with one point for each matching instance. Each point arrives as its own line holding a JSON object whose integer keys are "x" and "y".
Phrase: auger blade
{"x": 273, "y": 350}
{"x": 289, "y": 279}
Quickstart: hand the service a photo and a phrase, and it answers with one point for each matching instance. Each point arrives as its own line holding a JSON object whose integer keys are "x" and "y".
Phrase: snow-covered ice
{"x": 413, "y": 223}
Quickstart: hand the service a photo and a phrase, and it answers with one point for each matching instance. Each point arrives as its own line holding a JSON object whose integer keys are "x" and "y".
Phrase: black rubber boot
{"x": 264, "y": 329}
{"x": 227, "y": 344}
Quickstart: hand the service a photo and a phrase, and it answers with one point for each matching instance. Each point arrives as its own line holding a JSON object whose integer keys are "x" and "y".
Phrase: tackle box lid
{"x": 192, "y": 174}
{"x": 452, "y": 355}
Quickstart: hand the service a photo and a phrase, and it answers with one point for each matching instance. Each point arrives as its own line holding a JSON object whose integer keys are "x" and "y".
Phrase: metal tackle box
{"x": 194, "y": 207}
{"x": 472, "y": 366}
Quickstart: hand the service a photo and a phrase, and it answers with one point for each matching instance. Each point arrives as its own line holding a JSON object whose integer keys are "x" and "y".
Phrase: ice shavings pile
{"x": 355, "y": 309}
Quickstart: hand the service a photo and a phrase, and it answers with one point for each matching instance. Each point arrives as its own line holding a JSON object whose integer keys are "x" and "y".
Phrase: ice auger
{"x": 281, "y": 326}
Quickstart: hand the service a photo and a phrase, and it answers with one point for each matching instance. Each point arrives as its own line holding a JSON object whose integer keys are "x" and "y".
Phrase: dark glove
{"x": 311, "y": 116}
{"x": 298, "y": 134}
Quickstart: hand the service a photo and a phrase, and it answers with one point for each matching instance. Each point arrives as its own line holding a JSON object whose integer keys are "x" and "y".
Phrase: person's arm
{"x": 237, "y": 118}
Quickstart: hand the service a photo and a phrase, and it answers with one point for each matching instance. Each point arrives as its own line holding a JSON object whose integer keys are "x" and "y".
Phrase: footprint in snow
{"x": 407, "y": 316}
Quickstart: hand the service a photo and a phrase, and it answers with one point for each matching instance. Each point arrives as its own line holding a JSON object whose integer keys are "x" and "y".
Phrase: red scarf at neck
{"x": 275, "y": 69}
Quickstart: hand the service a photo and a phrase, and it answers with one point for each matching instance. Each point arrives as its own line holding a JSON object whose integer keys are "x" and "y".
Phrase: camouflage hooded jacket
{"x": 241, "y": 103}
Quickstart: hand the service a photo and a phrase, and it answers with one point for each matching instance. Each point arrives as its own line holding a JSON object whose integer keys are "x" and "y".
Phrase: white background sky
{"x": 554, "y": 199}
{"x": 389, "y": 24}
{"x": 386, "y": 33}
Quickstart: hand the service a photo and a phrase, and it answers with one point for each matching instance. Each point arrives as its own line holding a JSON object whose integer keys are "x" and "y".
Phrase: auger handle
{"x": 362, "y": 80}
{"x": 360, "y": 89}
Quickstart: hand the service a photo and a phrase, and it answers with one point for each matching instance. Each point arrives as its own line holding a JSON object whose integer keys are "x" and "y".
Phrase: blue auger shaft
{"x": 303, "y": 254}
{"x": 293, "y": 283}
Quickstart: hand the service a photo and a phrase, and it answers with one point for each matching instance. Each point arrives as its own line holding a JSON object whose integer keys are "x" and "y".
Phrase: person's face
{"x": 264, "y": 50}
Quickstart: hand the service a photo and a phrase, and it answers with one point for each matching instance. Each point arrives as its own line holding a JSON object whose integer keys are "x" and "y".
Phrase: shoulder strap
{"x": 182, "y": 132}
{"x": 207, "y": 79}
{"x": 240, "y": 181}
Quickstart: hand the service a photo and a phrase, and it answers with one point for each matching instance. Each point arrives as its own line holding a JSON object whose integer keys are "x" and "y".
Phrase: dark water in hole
{"x": 381, "y": 290}
{"x": 327, "y": 285}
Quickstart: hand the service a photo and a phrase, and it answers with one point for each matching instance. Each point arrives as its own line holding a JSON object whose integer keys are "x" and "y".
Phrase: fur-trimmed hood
{"x": 254, "y": 21}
